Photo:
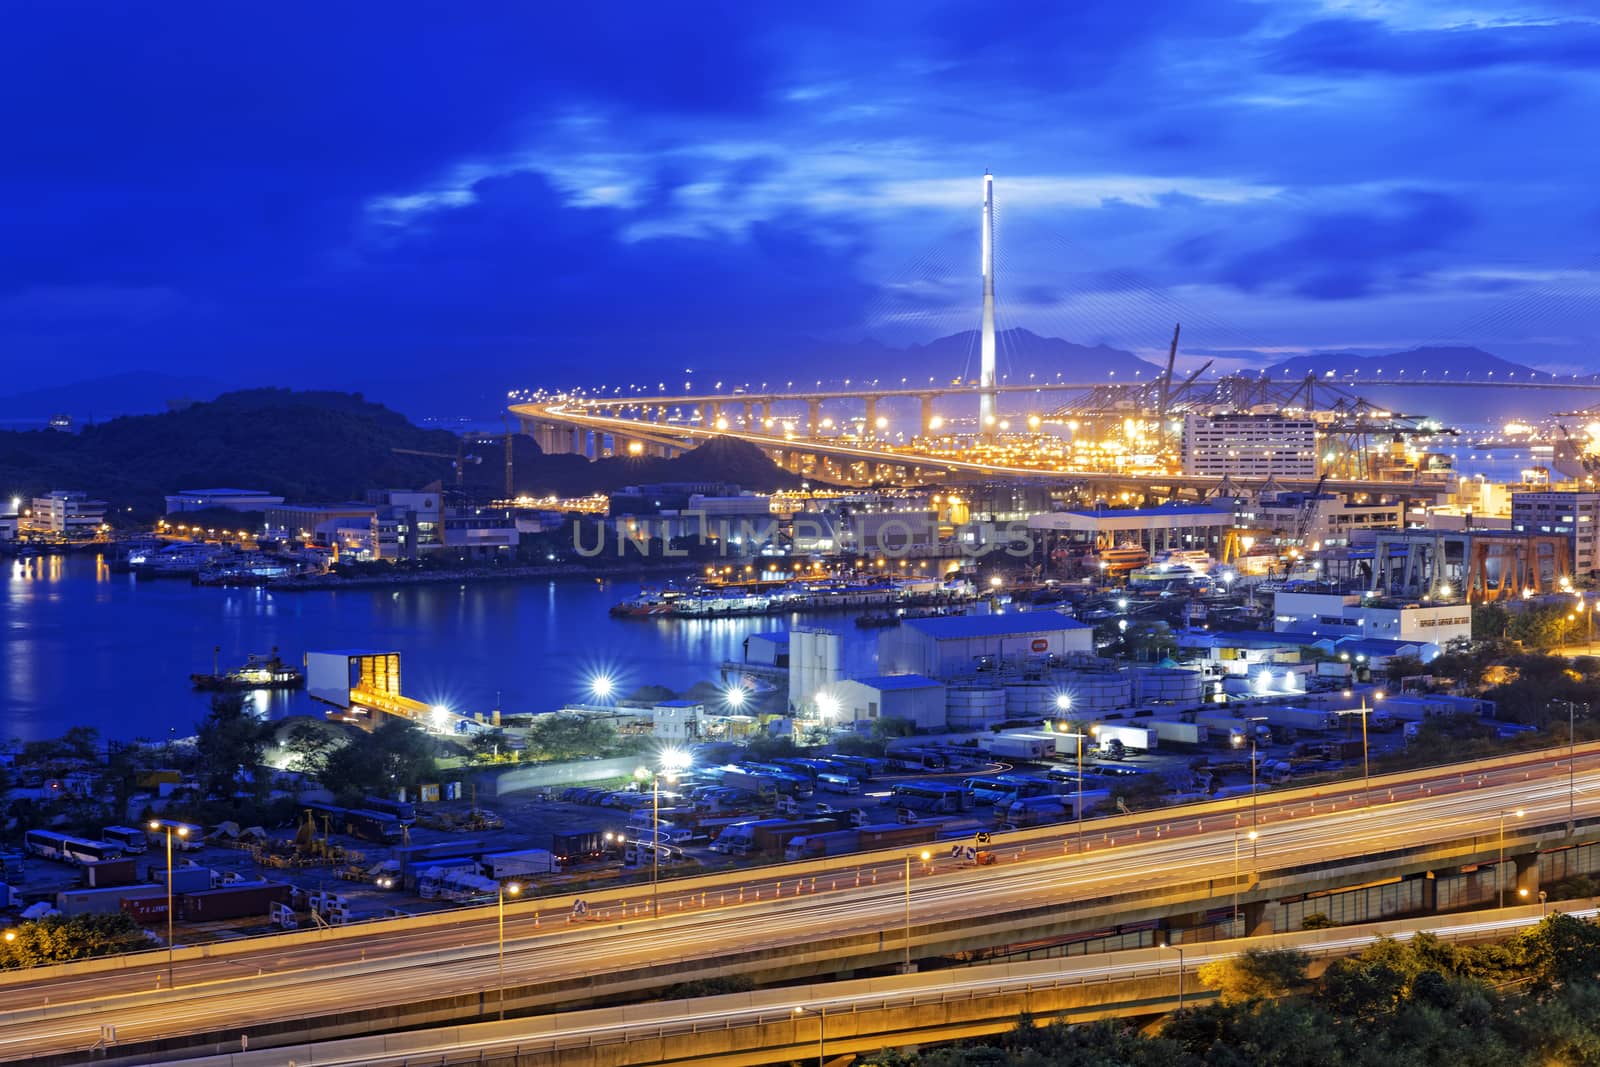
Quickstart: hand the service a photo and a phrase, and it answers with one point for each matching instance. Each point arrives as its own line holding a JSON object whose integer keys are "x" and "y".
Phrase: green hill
{"x": 320, "y": 446}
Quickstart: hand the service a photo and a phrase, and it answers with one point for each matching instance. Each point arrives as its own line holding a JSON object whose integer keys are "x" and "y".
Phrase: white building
{"x": 816, "y": 665}
{"x": 677, "y": 720}
{"x": 1330, "y": 518}
{"x": 1572, "y": 513}
{"x": 230, "y": 499}
{"x": 67, "y": 513}
{"x": 1250, "y": 446}
{"x": 960, "y": 645}
{"x": 1364, "y": 615}
{"x": 910, "y": 697}
{"x": 1179, "y": 526}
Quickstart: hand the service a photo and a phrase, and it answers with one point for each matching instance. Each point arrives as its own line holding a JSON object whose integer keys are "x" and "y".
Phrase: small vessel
{"x": 182, "y": 560}
{"x": 258, "y": 672}
{"x": 1118, "y": 561}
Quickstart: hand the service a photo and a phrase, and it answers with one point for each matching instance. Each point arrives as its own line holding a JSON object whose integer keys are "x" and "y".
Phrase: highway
{"x": 675, "y": 434}
{"x": 847, "y": 1003}
{"x": 64, "y": 1014}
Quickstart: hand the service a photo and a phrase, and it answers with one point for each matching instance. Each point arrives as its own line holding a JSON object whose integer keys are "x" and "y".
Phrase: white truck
{"x": 1176, "y": 733}
{"x": 1232, "y": 731}
{"x": 1310, "y": 719}
{"x": 1132, "y": 738}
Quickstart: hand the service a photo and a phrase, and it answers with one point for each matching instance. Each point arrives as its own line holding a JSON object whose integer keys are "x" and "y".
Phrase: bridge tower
{"x": 987, "y": 416}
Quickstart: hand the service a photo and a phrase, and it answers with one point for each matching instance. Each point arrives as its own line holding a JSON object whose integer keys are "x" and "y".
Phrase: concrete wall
{"x": 577, "y": 772}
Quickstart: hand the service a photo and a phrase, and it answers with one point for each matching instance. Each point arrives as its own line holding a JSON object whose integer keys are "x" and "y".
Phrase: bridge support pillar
{"x": 813, "y": 417}
{"x": 748, "y": 413}
{"x": 659, "y": 414}
{"x": 715, "y": 415}
{"x": 580, "y": 441}
{"x": 765, "y": 409}
{"x": 927, "y": 415}
{"x": 869, "y": 425}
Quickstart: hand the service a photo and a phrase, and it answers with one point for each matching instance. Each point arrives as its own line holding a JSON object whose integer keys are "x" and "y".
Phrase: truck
{"x": 1301, "y": 719}
{"x": 896, "y": 835}
{"x": 520, "y": 864}
{"x": 767, "y": 836}
{"x": 1177, "y": 734}
{"x": 816, "y": 846}
{"x": 1132, "y": 738}
{"x": 1232, "y": 731}
{"x": 232, "y": 902}
{"x": 1012, "y": 746}
{"x": 579, "y": 846}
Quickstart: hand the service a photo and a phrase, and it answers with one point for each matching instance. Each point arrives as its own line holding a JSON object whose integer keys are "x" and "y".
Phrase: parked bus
{"x": 943, "y": 798}
{"x": 131, "y": 838}
{"x": 831, "y": 782}
{"x": 67, "y": 849}
{"x": 403, "y": 810}
{"x": 186, "y": 837}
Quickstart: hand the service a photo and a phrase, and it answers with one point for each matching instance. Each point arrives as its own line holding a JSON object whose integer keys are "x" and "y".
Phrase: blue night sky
{"x": 373, "y": 195}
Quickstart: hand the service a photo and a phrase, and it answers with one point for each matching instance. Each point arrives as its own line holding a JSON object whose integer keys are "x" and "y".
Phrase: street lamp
{"x": 925, "y": 856}
{"x": 1166, "y": 943}
{"x": 182, "y": 831}
{"x": 672, "y": 761}
{"x": 513, "y": 888}
{"x": 822, "y": 1031}
{"x": 1499, "y": 868}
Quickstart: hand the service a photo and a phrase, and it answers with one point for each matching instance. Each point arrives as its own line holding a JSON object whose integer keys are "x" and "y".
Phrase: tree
{"x": 307, "y": 747}
{"x": 231, "y": 743}
{"x": 57, "y": 939}
{"x": 568, "y": 737}
{"x": 396, "y": 754}
{"x": 1560, "y": 950}
{"x": 1256, "y": 974}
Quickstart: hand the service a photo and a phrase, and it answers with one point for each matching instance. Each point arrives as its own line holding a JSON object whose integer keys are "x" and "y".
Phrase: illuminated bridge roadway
{"x": 553, "y": 424}
{"x": 353, "y": 977}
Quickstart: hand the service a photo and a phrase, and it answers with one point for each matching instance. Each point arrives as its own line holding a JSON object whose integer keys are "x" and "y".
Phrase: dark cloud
{"x": 1342, "y": 255}
{"x": 1365, "y": 46}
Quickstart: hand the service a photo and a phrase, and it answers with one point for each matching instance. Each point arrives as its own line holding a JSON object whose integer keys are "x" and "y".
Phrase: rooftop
{"x": 896, "y": 681}
{"x": 1028, "y": 622}
{"x": 1147, "y": 513}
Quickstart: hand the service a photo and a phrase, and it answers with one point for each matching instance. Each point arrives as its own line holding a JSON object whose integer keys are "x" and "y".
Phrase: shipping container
{"x": 1176, "y": 734}
{"x": 578, "y": 846}
{"x": 106, "y": 873}
{"x": 520, "y": 864}
{"x": 1132, "y": 738}
{"x": 70, "y": 902}
{"x": 254, "y": 899}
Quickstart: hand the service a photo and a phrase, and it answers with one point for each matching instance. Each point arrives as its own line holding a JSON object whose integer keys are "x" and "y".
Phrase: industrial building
{"x": 1364, "y": 615}
{"x": 964, "y": 645}
{"x": 677, "y": 720}
{"x": 1572, "y": 514}
{"x": 1249, "y": 446}
{"x": 185, "y": 500}
{"x": 909, "y": 697}
{"x": 1190, "y": 527}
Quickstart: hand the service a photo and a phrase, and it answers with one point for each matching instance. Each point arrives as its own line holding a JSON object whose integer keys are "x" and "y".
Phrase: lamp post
{"x": 672, "y": 761}
{"x": 1235, "y": 930}
{"x": 822, "y": 1031}
{"x": 513, "y": 888}
{"x": 925, "y": 855}
{"x": 1500, "y": 867}
{"x": 1179, "y": 950}
{"x": 182, "y": 831}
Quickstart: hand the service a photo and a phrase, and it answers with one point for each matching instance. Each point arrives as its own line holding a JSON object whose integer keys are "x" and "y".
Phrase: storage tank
{"x": 1172, "y": 684}
{"x": 1031, "y": 701}
{"x": 815, "y": 662}
{"x": 970, "y": 708}
{"x": 1097, "y": 690}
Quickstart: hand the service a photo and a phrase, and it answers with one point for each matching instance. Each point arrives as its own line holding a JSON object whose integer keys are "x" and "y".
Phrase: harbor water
{"x": 84, "y": 646}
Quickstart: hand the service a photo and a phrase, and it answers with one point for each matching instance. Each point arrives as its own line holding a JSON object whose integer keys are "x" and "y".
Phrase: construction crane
{"x": 1308, "y": 511}
{"x": 459, "y": 460}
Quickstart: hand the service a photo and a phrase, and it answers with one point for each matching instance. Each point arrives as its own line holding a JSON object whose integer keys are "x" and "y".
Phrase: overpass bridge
{"x": 564, "y": 427}
{"x": 1439, "y": 840}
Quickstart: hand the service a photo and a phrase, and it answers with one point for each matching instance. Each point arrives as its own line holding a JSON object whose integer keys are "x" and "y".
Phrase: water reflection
{"x": 117, "y": 654}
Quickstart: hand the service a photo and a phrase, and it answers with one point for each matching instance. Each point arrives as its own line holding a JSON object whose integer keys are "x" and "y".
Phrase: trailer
{"x": 70, "y": 902}
{"x": 1132, "y": 738}
{"x": 1015, "y": 747}
{"x": 1306, "y": 719}
{"x": 578, "y": 846}
{"x": 519, "y": 864}
{"x": 896, "y": 835}
{"x": 1176, "y": 734}
{"x": 816, "y": 846}
{"x": 233, "y": 902}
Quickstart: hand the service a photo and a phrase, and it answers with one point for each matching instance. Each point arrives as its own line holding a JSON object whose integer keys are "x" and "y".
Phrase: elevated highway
{"x": 849, "y": 1017}
{"x": 1177, "y": 867}
{"x": 548, "y": 422}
